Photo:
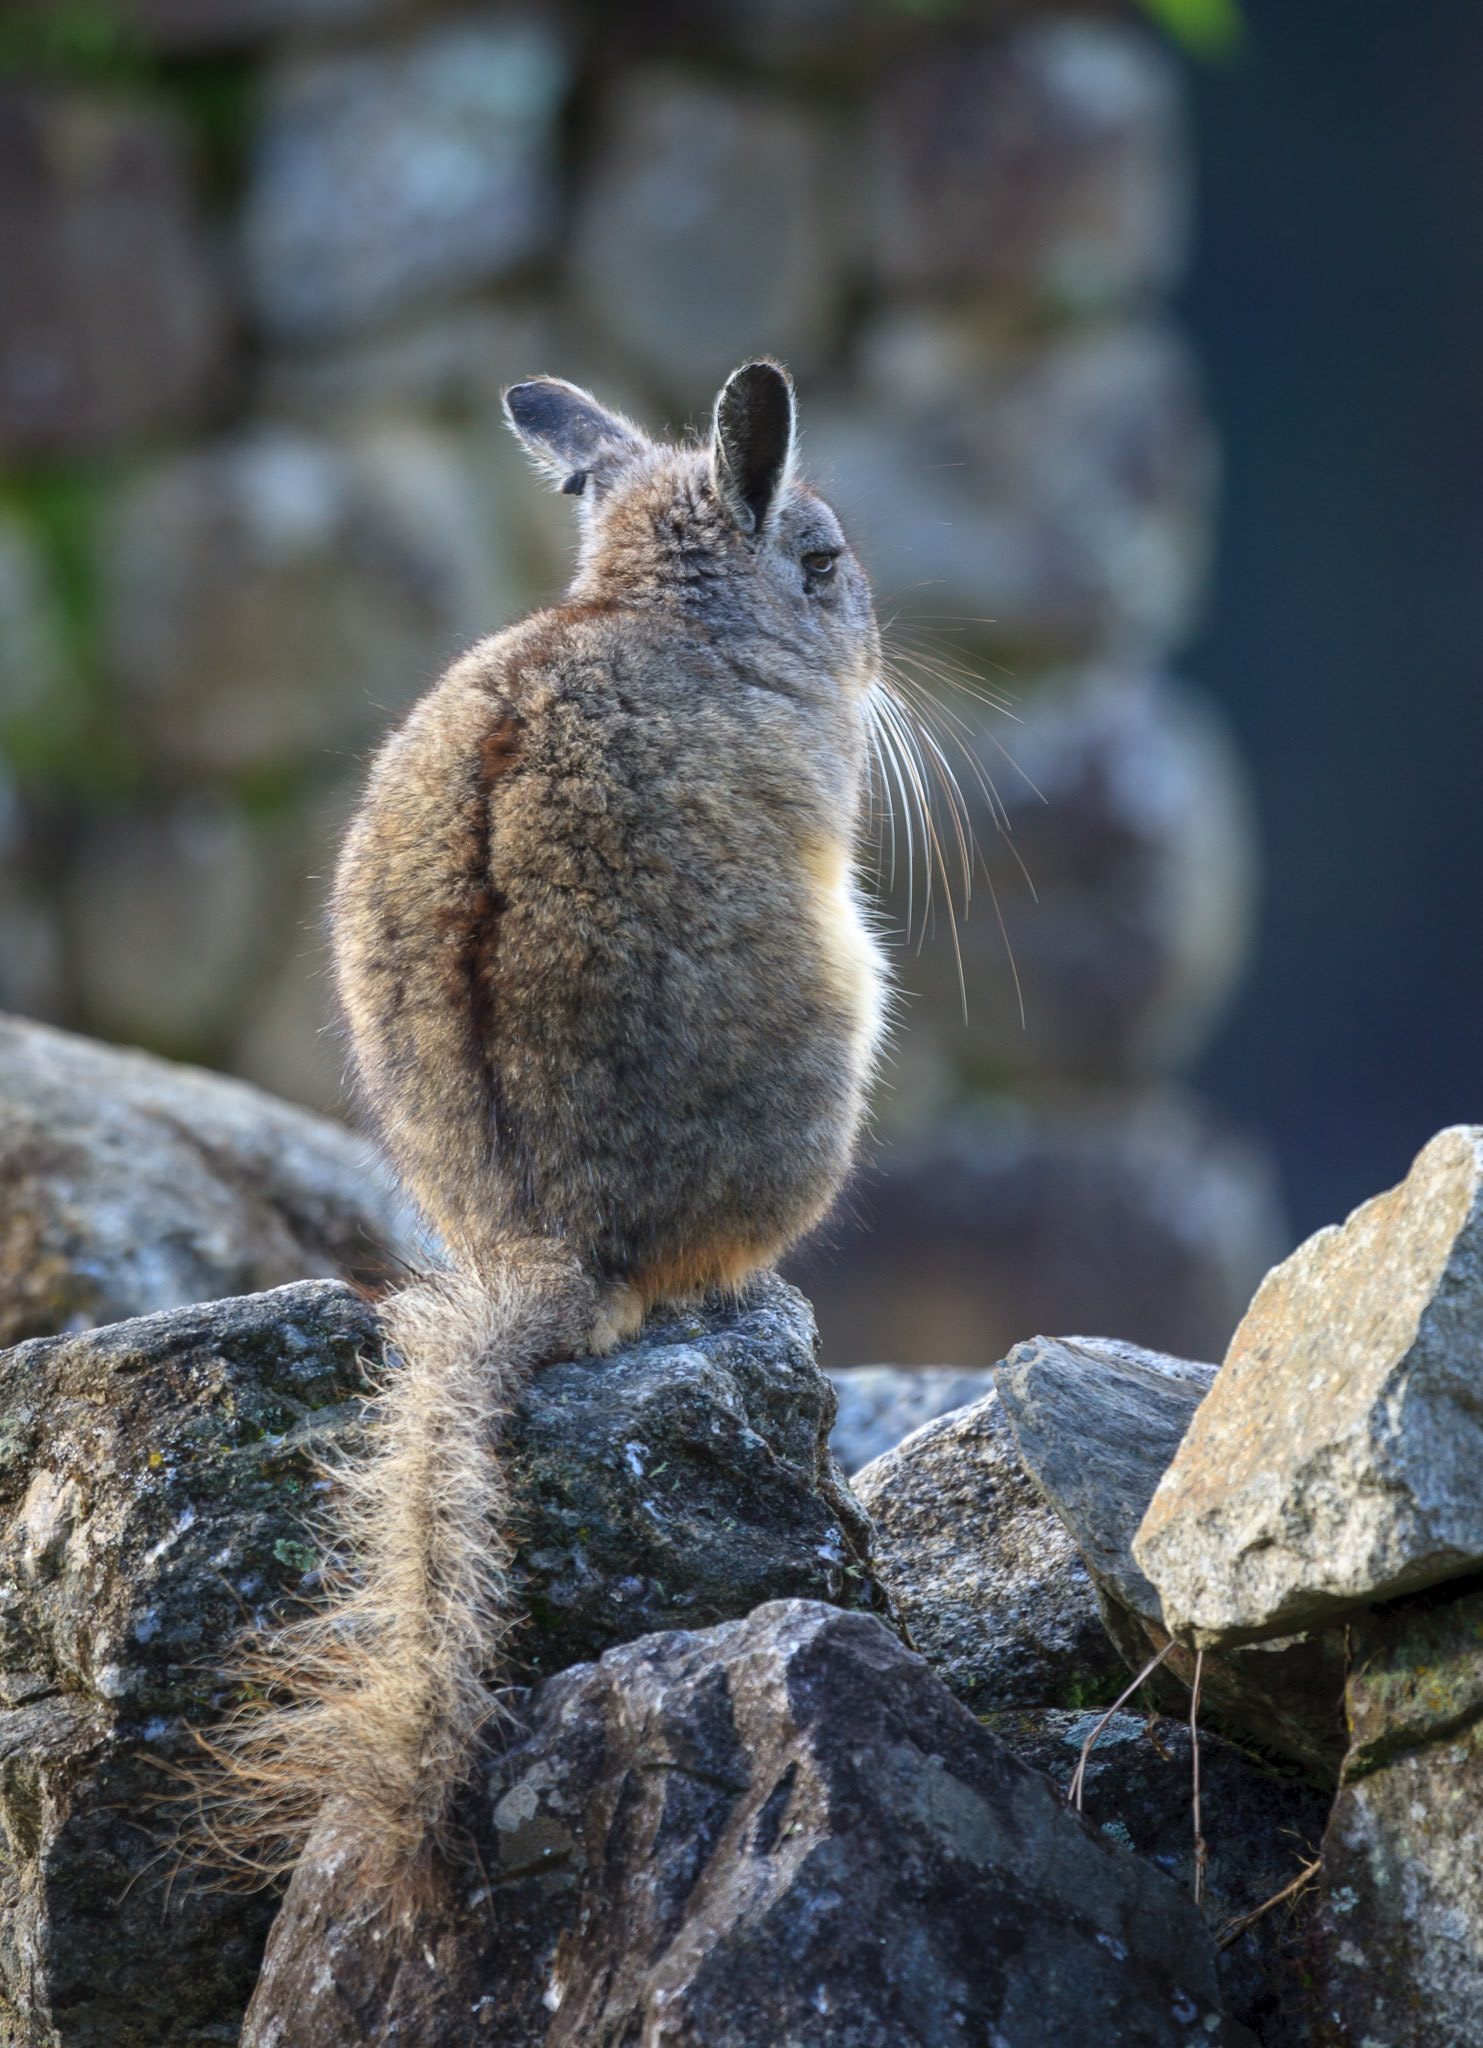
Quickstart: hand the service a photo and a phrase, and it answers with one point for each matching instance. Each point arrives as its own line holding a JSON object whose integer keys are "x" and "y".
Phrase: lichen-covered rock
{"x": 1397, "y": 1951}
{"x": 153, "y": 1482}
{"x": 1260, "y": 1827}
{"x": 782, "y": 1829}
{"x": 129, "y": 1184}
{"x": 1338, "y": 1458}
{"x": 156, "y": 1485}
{"x": 1047, "y": 163}
{"x": 881, "y": 1404}
{"x": 386, "y": 177}
{"x": 981, "y": 1570}
{"x": 110, "y": 321}
{"x": 681, "y": 1481}
{"x": 1096, "y": 1422}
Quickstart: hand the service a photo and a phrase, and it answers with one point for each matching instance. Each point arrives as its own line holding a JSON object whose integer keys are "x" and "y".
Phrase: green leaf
{"x": 1212, "y": 29}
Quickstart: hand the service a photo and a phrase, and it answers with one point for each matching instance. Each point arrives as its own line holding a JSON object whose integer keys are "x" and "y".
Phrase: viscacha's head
{"x": 723, "y": 531}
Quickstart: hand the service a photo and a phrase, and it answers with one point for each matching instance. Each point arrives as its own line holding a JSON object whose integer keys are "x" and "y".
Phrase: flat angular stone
{"x": 1397, "y": 1948}
{"x": 129, "y": 1184}
{"x": 778, "y": 1830}
{"x": 384, "y": 178}
{"x": 981, "y": 1570}
{"x": 1048, "y": 164}
{"x": 110, "y": 318}
{"x": 1338, "y": 1459}
{"x": 1096, "y": 1422}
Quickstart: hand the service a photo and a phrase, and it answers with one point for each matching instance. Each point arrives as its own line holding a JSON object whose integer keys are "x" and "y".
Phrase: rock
{"x": 1055, "y": 493}
{"x": 881, "y": 1404}
{"x": 1096, "y": 1423}
{"x": 1047, "y": 164}
{"x": 110, "y": 321}
{"x": 1260, "y": 1830}
{"x": 384, "y": 178}
{"x": 781, "y": 1829}
{"x": 276, "y": 595}
{"x": 1336, "y": 1460}
{"x": 153, "y": 1480}
{"x": 1398, "y": 1931}
{"x": 1140, "y": 1212}
{"x": 681, "y": 1481}
{"x": 1130, "y": 811}
{"x": 705, "y": 233}
{"x": 982, "y": 1572}
{"x": 128, "y": 1184}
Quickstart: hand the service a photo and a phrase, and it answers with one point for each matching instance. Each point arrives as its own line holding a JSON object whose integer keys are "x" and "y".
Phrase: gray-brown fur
{"x": 611, "y": 1003}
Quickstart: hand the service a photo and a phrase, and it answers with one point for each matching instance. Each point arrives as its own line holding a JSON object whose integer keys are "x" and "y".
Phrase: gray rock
{"x": 110, "y": 321}
{"x": 156, "y": 1485}
{"x": 681, "y": 1481}
{"x": 1137, "y": 1211}
{"x": 128, "y": 1184}
{"x": 1096, "y": 1422}
{"x": 990, "y": 1585}
{"x": 1260, "y": 1830}
{"x": 1397, "y": 1950}
{"x": 1131, "y": 812}
{"x": 276, "y": 595}
{"x": 385, "y": 178}
{"x": 705, "y": 233}
{"x": 1056, "y": 493}
{"x": 1337, "y": 1459}
{"x": 881, "y": 1404}
{"x": 1047, "y": 164}
{"x": 778, "y": 1830}
{"x": 153, "y": 1481}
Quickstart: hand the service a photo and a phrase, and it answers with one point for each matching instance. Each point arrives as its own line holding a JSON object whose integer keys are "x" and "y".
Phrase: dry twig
{"x": 1194, "y": 1743}
{"x": 1074, "y": 1789}
{"x": 1238, "y": 1927}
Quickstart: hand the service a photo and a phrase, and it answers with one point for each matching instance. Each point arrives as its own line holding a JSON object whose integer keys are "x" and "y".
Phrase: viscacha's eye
{"x": 819, "y": 563}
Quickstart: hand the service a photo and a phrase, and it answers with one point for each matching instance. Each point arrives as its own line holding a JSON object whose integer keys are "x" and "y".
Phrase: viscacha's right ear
{"x": 570, "y": 437}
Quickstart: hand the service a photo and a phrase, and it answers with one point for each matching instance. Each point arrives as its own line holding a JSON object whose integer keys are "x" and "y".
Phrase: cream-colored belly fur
{"x": 850, "y": 961}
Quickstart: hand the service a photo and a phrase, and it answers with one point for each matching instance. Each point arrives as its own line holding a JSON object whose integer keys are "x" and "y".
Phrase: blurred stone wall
{"x": 267, "y": 265}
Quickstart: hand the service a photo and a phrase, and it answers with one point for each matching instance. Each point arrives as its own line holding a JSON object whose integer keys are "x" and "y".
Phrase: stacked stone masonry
{"x": 270, "y": 263}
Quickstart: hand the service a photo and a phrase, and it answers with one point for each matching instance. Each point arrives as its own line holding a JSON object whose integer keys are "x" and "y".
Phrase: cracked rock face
{"x": 129, "y": 1184}
{"x": 1335, "y": 1460}
{"x": 154, "y": 1481}
{"x": 781, "y": 1829}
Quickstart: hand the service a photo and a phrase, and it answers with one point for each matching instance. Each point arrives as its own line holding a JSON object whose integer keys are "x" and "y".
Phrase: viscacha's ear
{"x": 752, "y": 452}
{"x": 572, "y": 438}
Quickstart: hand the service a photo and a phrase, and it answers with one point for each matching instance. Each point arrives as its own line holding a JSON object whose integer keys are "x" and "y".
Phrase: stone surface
{"x": 681, "y": 1481}
{"x": 384, "y": 178}
{"x": 782, "y": 1829}
{"x": 110, "y": 323}
{"x": 1133, "y": 819}
{"x": 706, "y": 233}
{"x": 1140, "y": 1212}
{"x": 881, "y": 1404}
{"x": 1397, "y": 1951}
{"x": 1054, "y": 494}
{"x": 982, "y": 1572}
{"x": 1337, "y": 1459}
{"x": 1096, "y": 1423}
{"x": 270, "y": 599}
{"x": 1048, "y": 163}
{"x": 128, "y": 1184}
{"x": 1260, "y": 1829}
{"x": 153, "y": 1482}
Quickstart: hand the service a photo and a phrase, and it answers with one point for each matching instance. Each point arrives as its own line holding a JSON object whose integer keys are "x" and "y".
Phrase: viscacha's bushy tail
{"x": 365, "y": 1712}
